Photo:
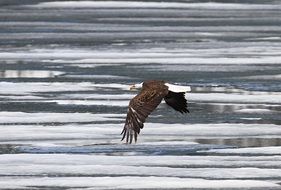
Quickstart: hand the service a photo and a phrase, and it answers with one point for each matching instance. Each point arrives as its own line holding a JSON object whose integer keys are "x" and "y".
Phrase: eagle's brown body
{"x": 145, "y": 102}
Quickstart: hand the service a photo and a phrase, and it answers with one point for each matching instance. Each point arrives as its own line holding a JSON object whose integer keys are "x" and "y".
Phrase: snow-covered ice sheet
{"x": 151, "y": 132}
{"x": 263, "y": 97}
{"x": 143, "y": 4}
{"x": 255, "y": 55}
{"x": 130, "y": 183}
{"x": 193, "y": 161}
{"x": 119, "y": 170}
{"x": 21, "y": 117}
{"x": 118, "y": 103}
{"x": 255, "y": 150}
{"x": 23, "y": 88}
{"x": 29, "y": 74}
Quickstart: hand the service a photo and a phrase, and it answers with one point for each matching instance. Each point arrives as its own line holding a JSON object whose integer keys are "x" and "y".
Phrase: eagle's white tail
{"x": 177, "y": 88}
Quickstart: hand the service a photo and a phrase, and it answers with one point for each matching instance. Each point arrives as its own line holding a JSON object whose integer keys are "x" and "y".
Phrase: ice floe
{"x": 142, "y": 56}
{"x": 21, "y": 117}
{"x": 261, "y": 97}
{"x": 152, "y": 133}
{"x": 143, "y": 4}
{"x": 140, "y": 160}
{"x": 255, "y": 150}
{"x": 119, "y": 103}
{"x": 254, "y": 110}
{"x": 130, "y": 182}
{"x": 97, "y": 77}
{"x": 29, "y": 74}
{"x": 23, "y": 88}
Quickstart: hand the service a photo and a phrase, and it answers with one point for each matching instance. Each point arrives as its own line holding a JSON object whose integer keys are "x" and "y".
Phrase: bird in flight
{"x": 150, "y": 96}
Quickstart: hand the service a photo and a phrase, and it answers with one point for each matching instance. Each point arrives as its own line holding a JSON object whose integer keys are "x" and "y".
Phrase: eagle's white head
{"x": 136, "y": 86}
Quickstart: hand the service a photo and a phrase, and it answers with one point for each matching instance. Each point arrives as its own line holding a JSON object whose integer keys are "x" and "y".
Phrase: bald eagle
{"x": 151, "y": 94}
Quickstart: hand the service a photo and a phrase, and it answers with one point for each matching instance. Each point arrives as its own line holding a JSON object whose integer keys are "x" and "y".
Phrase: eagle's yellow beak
{"x": 136, "y": 86}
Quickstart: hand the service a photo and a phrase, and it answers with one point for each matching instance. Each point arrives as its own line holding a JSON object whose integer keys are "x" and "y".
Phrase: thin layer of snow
{"x": 123, "y": 170}
{"x": 255, "y": 150}
{"x": 86, "y": 63}
{"x": 208, "y": 29}
{"x": 142, "y": 56}
{"x": 142, "y": 4}
{"x": 22, "y": 117}
{"x": 97, "y": 77}
{"x": 273, "y": 98}
{"x": 264, "y": 77}
{"x": 21, "y": 88}
{"x": 273, "y": 38}
{"x": 167, "y": 59}
{"x": 14, "y": 133}
{"x": 119, "y": 103}
{"x": 154, "y": 160}
{"x": 21, "y": 97}
{"x": 251, "y": 118}
{"x": 93, "y": 96}
{"x": 130, "y": 182}
{"x": 254, "y": 111}
{"x": 29, "y": 74}
{"x": 211, "y": 130}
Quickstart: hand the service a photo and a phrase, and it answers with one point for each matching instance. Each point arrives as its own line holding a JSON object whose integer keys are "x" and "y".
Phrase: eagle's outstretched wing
{"x": 139, "y": 109}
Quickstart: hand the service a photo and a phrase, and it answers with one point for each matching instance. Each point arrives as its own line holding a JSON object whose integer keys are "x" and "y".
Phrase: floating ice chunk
{"x": 30, "y": 87}
{"x": 84, "y": 63}
{"x": 236, "y": 98}
{"x": 256, "y": 150}
{"x": 29, "y": 74}
{"x": 120, "y": 103}
{"x": 143, "y": 4}
{"x": 251, "y": 118}
{"x": 130, "y": 183}
{"x": 211, "y": 130}
{"x": 97, "y": 77}
{"x": 273, "y": 38}
{"x": 148, "y": 56}
{"x": 254, "y": 110}
{"x": 124, "y": 170}
{"x": 22, "y": 88}
{"x": 98, "y": 96}
{"x": 263, "y": 77}
{"x": 141, "y": 160}
{"x": 21, "y": 117}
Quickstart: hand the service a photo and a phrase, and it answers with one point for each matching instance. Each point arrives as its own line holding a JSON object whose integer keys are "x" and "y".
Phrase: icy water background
{"x": 65, "y": 68}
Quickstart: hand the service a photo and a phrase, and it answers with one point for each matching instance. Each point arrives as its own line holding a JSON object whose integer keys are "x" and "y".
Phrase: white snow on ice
{"x": 258, "y": 97}
{"x": 143, "y": 4}
{"x": 118, "y": 103}
{"x": 143, "y": 56}
{"x": 254, "y": 110}
{"x": 152, "y": 131}
{"x": 131, "y": 182}
{"x": 254, "y": 150}
{"x": 29, "y": 74}
{"x": 22, "y": 117}
{"x": 23, "y": 88}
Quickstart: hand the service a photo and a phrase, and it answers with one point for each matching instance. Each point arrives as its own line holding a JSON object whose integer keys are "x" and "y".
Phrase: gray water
{"x": 65, "y": 71}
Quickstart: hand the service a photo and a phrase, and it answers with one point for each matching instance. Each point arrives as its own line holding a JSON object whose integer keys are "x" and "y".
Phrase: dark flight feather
{"x": 177, "y": 101}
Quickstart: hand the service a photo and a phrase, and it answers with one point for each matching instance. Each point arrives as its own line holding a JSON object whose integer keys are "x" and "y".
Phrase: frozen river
{"x": 65, "y": 68}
